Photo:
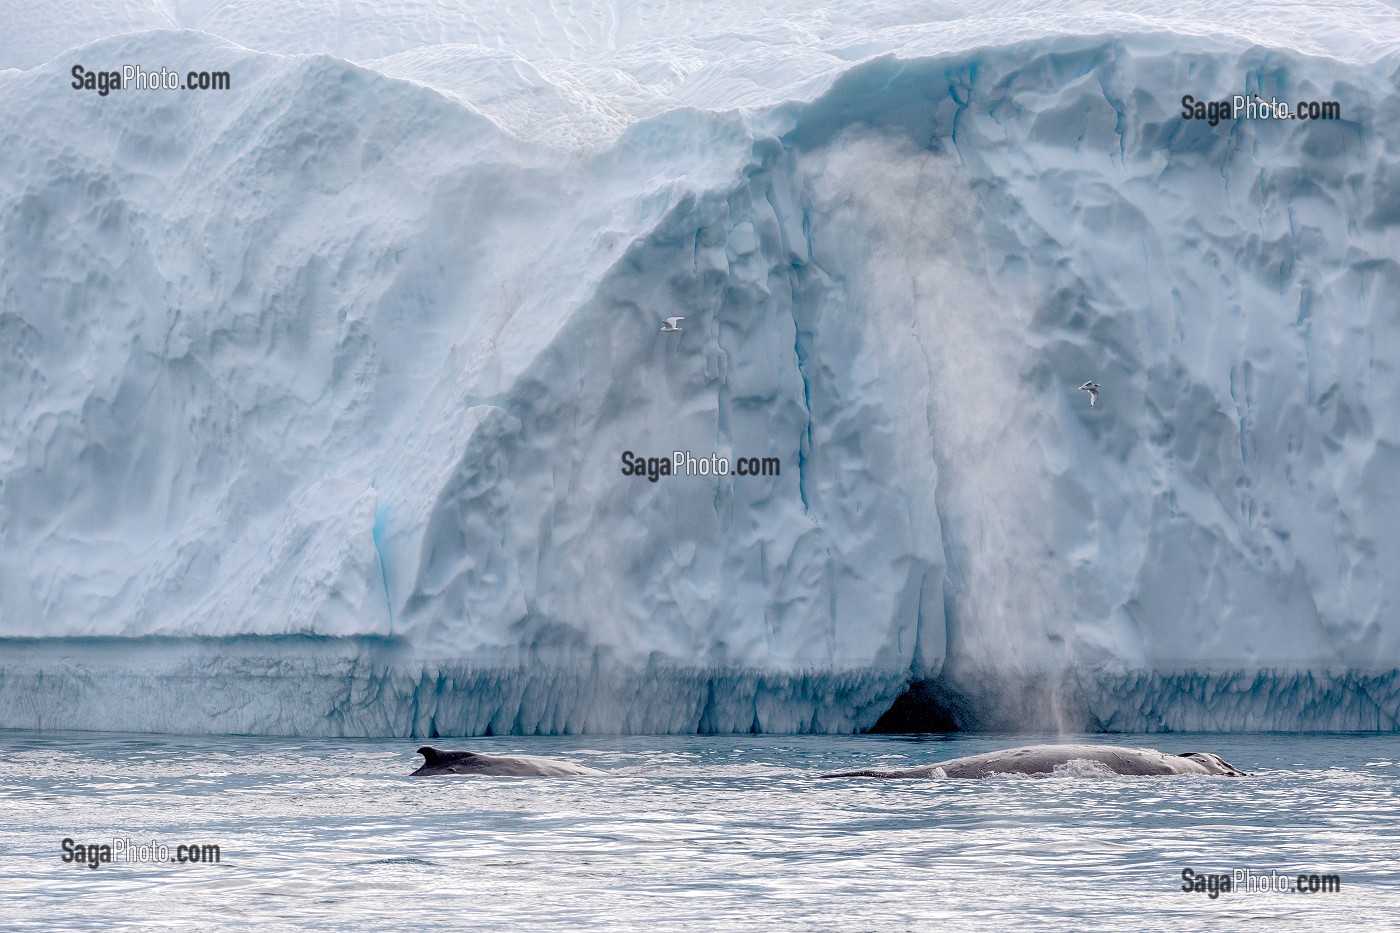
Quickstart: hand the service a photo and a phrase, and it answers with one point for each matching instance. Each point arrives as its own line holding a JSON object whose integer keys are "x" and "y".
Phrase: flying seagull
{"x": 672, "y": 325}
{"x": 1092, "y": 388}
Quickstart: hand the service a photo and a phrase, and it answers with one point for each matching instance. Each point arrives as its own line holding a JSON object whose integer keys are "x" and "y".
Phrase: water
{"x": 690, "y": 832}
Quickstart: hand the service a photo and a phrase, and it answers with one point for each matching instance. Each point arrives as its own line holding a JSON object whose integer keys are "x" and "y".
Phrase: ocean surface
{"x": 689, "y": 832}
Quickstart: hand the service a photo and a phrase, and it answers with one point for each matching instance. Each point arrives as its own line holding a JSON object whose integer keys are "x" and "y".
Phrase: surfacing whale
{"x": 436, "y": 761}
{"x": 1044, "y": 759}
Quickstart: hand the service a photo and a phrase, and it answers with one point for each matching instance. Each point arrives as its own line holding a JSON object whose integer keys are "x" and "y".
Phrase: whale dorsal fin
{"x": 429, "y": 754}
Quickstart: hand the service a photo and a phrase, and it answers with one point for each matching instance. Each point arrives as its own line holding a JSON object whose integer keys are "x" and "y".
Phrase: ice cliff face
{"x": 313, "y": 392}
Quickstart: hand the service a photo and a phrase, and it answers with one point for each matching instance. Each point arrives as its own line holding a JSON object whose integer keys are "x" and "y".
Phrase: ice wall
{"x": 1224, "y": 513}
{"x": 314, "y": 392}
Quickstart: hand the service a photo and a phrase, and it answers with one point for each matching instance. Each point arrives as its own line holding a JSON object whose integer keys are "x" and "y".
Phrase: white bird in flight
{"x": 1092, "y": 388}
{"x": 672, "y": 325}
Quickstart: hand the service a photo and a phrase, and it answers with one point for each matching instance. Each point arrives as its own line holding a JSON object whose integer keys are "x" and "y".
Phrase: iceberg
{"x": 316, "y": 393}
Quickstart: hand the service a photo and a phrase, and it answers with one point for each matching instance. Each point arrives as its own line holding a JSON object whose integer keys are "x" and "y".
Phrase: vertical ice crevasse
{"x": 377, "y": 535}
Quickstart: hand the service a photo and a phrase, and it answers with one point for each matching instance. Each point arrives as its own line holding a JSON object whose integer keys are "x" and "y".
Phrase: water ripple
{"x": 688, "y": 833}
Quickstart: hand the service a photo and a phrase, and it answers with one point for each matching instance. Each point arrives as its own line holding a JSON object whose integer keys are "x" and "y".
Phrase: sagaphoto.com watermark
{"x": 134, "y": 77}
{"x": 684, "y": 463}
{"x": 1254, "y": 107}
{"x": 1249, "y": 881}
{"x": 123, "y": 851}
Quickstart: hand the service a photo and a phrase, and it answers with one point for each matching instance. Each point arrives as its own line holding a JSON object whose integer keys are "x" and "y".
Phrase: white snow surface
{"x": 313, "y": 391}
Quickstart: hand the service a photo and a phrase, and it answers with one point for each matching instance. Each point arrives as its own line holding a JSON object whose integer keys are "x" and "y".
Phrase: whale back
{"x": 436, "y": 762}
{"x": 1050, "y": 759}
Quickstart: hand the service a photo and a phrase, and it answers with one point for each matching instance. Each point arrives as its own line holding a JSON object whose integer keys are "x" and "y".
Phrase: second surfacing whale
{"x": 1046, "y": 759}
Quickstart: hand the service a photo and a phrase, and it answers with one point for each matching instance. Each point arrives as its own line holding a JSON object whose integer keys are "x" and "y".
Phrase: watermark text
{"x": 123, "y": 851}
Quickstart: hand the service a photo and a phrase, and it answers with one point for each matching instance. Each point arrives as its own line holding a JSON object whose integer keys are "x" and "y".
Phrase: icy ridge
{"x": 576, "y": 74}
{"x": 308, "y": 686}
